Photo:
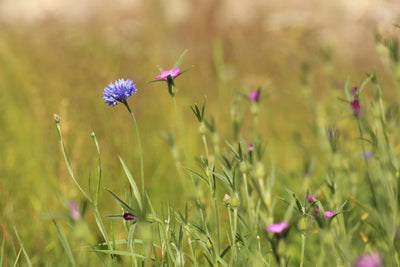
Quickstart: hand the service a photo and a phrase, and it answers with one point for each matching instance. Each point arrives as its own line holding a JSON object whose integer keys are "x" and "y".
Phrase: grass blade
{"x": 178, "y": 63}
{"x": 133, "y": 184}
{"x": 22, "y": 248}
{"x": 65, "y": 244}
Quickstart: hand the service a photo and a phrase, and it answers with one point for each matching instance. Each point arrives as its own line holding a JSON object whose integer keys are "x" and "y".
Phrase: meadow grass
{"x": 213, "y": 173}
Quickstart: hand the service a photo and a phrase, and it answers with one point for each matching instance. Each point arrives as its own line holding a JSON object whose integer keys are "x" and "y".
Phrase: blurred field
{"x": 60, "y": 61}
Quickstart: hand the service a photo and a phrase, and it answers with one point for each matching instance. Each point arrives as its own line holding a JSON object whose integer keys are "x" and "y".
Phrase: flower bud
{"x": 57, "y": 118}
{"x": 202, "y": 128}
{"x": 302, "y": 224}
{"x": 235, "y": 201}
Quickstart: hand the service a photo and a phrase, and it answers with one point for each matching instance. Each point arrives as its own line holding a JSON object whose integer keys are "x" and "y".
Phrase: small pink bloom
{"x": 355, "y": 106}
{"x": 172, "y": 72}
{"x": 278, "y": 228}
{"x": 127, "y": 216}
{"x": 254, "y": 96}
{"x": 74, "y": 211}
{"x": 251, "y": 146}
{"x": 311, "y": 198}
{"x": 373, "y": 260}
{"x": 329, "y": 214}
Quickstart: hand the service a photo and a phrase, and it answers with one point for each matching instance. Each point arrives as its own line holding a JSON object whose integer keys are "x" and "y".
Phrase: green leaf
{"x": 199, "y": 175}
{"x": 121, "y": 202}
{"x": 65, "y": 244}
{"x": 178, "y": 63}
{"x": 133, "y": 184}
{"x": 118, "y": 252}
{"x": 364, "y": 83}
{"x": 233, "y": 150}
{"x": 347, "y": 89}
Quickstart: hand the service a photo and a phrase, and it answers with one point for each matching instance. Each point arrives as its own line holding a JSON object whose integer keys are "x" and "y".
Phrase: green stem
{"x": 303, "y": 245}
{"x": 366, "y": 163}
{"x": 67, "y": 162}
{"x": 140, "y": 146}
{"x": 246, "y": 189}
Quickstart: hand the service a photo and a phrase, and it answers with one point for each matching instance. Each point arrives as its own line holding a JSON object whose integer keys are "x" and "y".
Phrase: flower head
{"x": 278, "y": 228}
{"x": 171, "y": 72}
{"x": 118, "y": 91}
{"x": 311, "y": 198}
{"x": 355, "y": 106}
{"x": 329, "y": 214}
{"x": 373, "y": 260}
{"x": 74, "y": 211}
{"x": 251, "y": 146}
{"x": 127, "y": 216}
{"x": 254, "y": 96}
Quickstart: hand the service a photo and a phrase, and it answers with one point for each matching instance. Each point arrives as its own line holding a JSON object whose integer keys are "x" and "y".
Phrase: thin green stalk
{"x": 303, "y": 245}
{"x": 180, "y": 131}
{"x": 209, "y": 174}
{"x": 246, "y": 189}
{"x": 366, "y": 163}
{"x": 66, "y": 158}
{"x": 140, "y": 146}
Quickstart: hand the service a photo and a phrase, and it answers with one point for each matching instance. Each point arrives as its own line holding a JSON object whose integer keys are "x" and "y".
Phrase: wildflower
{"x": 355, "y": 106}
{"x": 57, "y": 118}
{"x": 329, "y": 214}
{"x": 127, "y": 216}
{"x": 373, "y": 260}
{"x": 368, "y": 155}
{"x": 278, "y": 228}
{"x": 173, "y": 73}
{"x": 74, "y": 211}
{"x": 254, "y": 96}
{"x": 311, "y": 198}
{"x": 119, "y": 91}
{"x": 251, "y": 146}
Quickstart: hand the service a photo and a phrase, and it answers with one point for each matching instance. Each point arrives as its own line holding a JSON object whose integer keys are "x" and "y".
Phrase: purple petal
{"x": 329, "y": 214}
{"x": 277, "y": 227}
{"x": 128, "y": 216}
{"x": 373, "y": 260}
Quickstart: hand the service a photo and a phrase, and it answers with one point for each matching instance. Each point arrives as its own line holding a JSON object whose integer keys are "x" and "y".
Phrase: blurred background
{"x": 57, "y": 56}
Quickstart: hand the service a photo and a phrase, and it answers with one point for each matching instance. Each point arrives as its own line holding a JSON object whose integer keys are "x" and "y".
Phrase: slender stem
{"x": 140, "y": 146}
{"x": 366, "y": 163}
{"x": 303, "y": 245}
{"x": 180, "y": 130}
{"x": 246, "y": 189}
{"x": 67, "y": 162}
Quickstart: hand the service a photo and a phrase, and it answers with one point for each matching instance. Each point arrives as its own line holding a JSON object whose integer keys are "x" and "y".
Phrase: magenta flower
{"x": 74, "y": 211}
{"x": 311, "y": 198}
{"x": 127, "y": 216}
{"x": 254, "y": 96}
{"x": 329, "y": 214}
{"x": 355, "y": 106}
{"x": 173, "y": 73}
{"x": 251, "y": 146}
{"x": 278, "y": 228}
{"x": 373, "y": 260}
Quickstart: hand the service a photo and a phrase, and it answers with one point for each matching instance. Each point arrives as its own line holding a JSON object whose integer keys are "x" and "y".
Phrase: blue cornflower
{"x": 119, "y": 91}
